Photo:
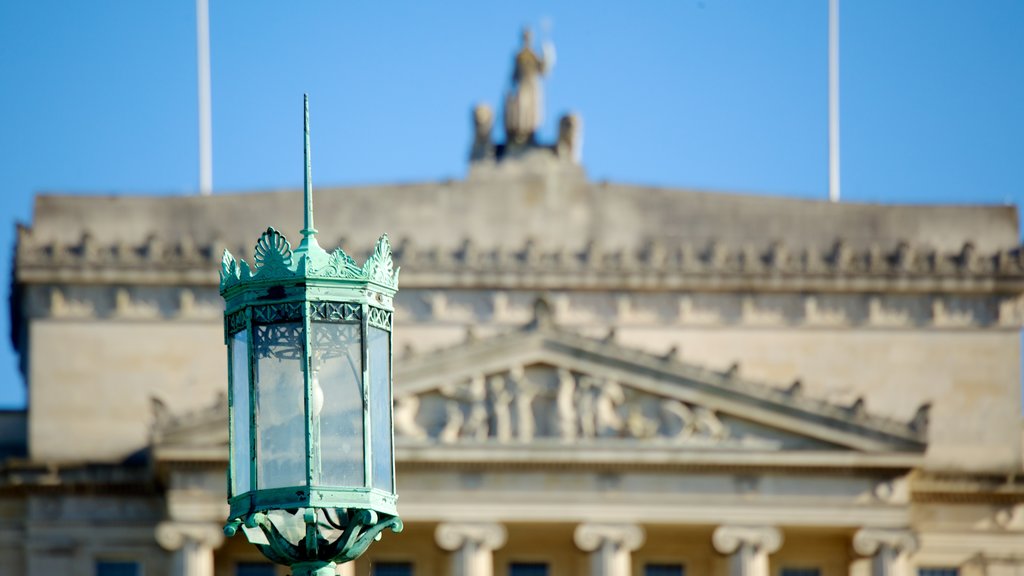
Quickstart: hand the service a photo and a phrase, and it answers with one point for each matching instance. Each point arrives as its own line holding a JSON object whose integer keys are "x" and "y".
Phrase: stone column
{"x": 610, "y": 546}
{"x": 192, "y": 543}
{"x": 888, "y": 549}
{"x": 472, "y": 544}
{"x": 748, "y": 547}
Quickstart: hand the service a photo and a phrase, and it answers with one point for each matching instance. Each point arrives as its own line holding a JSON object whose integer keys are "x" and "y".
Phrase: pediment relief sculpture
{"x": 547, "y": 385}
{"x": 548, "y": 403}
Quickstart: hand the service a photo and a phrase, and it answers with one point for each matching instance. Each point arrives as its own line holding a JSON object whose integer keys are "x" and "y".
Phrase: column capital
{"x": 589, "y": 537}
{"x": 173, "y": 535}
{"x": 728, "y": 539}
{"x": 868, "y": 541}
{"x": 487, "y": 535}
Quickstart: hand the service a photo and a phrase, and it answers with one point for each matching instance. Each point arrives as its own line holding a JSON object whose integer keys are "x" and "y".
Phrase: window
{"x": 255, "y": 569}
{"x": 114, "y": 568}
{"x": 392, "y": 569}
{"x": 664, "y": 570}
{"x": 801, "y": 572}
{"x": 938, "y": 571}
{"x": 527, "y": 569}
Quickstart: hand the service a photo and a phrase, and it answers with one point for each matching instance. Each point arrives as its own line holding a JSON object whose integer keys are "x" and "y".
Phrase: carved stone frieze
{"x": 681, "y": 265}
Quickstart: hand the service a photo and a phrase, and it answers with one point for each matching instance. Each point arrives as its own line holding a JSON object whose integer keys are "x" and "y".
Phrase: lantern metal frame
{"x": 304, "y": 286}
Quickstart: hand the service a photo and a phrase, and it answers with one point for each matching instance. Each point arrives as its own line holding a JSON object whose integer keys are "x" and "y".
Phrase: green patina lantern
{"x": 311, "y": 478}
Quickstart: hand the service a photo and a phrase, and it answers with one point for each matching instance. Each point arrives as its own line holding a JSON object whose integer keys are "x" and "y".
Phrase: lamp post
{"x": 311, "y": 475}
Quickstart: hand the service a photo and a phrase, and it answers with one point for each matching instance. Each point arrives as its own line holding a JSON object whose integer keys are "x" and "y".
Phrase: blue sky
{"x": 99, "y": 97}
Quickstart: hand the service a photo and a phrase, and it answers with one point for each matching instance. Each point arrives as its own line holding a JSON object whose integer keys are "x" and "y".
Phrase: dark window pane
{"x": 801, "y": 572}
{"x": 527, "y": 569}
{"x": 938, "y": 571}
{"x": 392, "y": 569}
{"x": 664, "y": 570}
{"x": 118, "y": 569}
{"x": 255, "y": 569}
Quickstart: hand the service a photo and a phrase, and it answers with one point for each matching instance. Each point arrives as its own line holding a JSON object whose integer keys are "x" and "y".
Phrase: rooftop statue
{"x": 524, "y": 101}
{"x": 524, "y": 105}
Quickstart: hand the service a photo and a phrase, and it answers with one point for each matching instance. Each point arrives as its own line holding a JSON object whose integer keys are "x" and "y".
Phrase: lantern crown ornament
{"x": 309, "y": 335}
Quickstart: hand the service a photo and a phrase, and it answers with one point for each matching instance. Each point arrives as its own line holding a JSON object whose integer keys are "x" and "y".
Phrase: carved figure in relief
{"x": 610, "y": 397}
{"x": 708, "y": 425}
{"x": 406, "y": 409}
{"x": 525, "y": 392}
{"x": 598, "y": 402}
{"x": 501, "y": 406}
{"x": 453, "y": 422}
{"x": 586, "y": 395}
{"x": 501, "y": 403}
{"x": 678, "y": 417}
{"x": 474, "y": 424}
{"x": 565, "y": 402}
{"x": 638, "y": 425}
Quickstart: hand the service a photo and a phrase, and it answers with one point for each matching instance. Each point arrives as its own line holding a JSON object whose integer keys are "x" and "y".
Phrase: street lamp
{"x": 311, "y": 477}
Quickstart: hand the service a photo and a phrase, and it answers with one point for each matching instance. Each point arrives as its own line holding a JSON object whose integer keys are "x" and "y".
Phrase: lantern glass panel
{"x": 379, "y": 344}
{"x": 240, "y": 412}
{"x": 280, "y": 405}
{"x": 338, "y": 403}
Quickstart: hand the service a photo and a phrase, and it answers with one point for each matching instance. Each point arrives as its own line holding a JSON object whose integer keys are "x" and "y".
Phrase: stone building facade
{"x": 591, "y": 378}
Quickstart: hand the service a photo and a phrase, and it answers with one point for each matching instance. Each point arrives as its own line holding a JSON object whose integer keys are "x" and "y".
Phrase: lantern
{"x": 311, "y": 477}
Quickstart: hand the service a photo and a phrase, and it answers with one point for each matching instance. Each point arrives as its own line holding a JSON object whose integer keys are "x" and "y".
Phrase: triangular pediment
{"x": 542, "y": 394}
{"x": 543, "y": 386}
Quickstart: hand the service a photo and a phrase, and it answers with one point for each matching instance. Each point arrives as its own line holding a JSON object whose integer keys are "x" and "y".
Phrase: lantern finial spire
{"x": 308, "y": 230}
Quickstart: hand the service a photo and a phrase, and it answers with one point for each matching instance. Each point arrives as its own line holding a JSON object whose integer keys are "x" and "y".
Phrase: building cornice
{"x": 19, "y": 478}
{"x": 636, "y": 457}
{"x": 964, "y": 488}
{"x": 713, "y": 267}
{"x": 503, "y": 307}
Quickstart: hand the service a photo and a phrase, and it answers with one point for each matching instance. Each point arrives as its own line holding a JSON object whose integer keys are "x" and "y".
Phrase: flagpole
{"x": 833, "y": 100}
{"x": 205, "y": 122}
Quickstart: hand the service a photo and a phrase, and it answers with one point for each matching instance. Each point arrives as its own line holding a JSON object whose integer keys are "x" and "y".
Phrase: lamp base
{"x": 351, "y": 531}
